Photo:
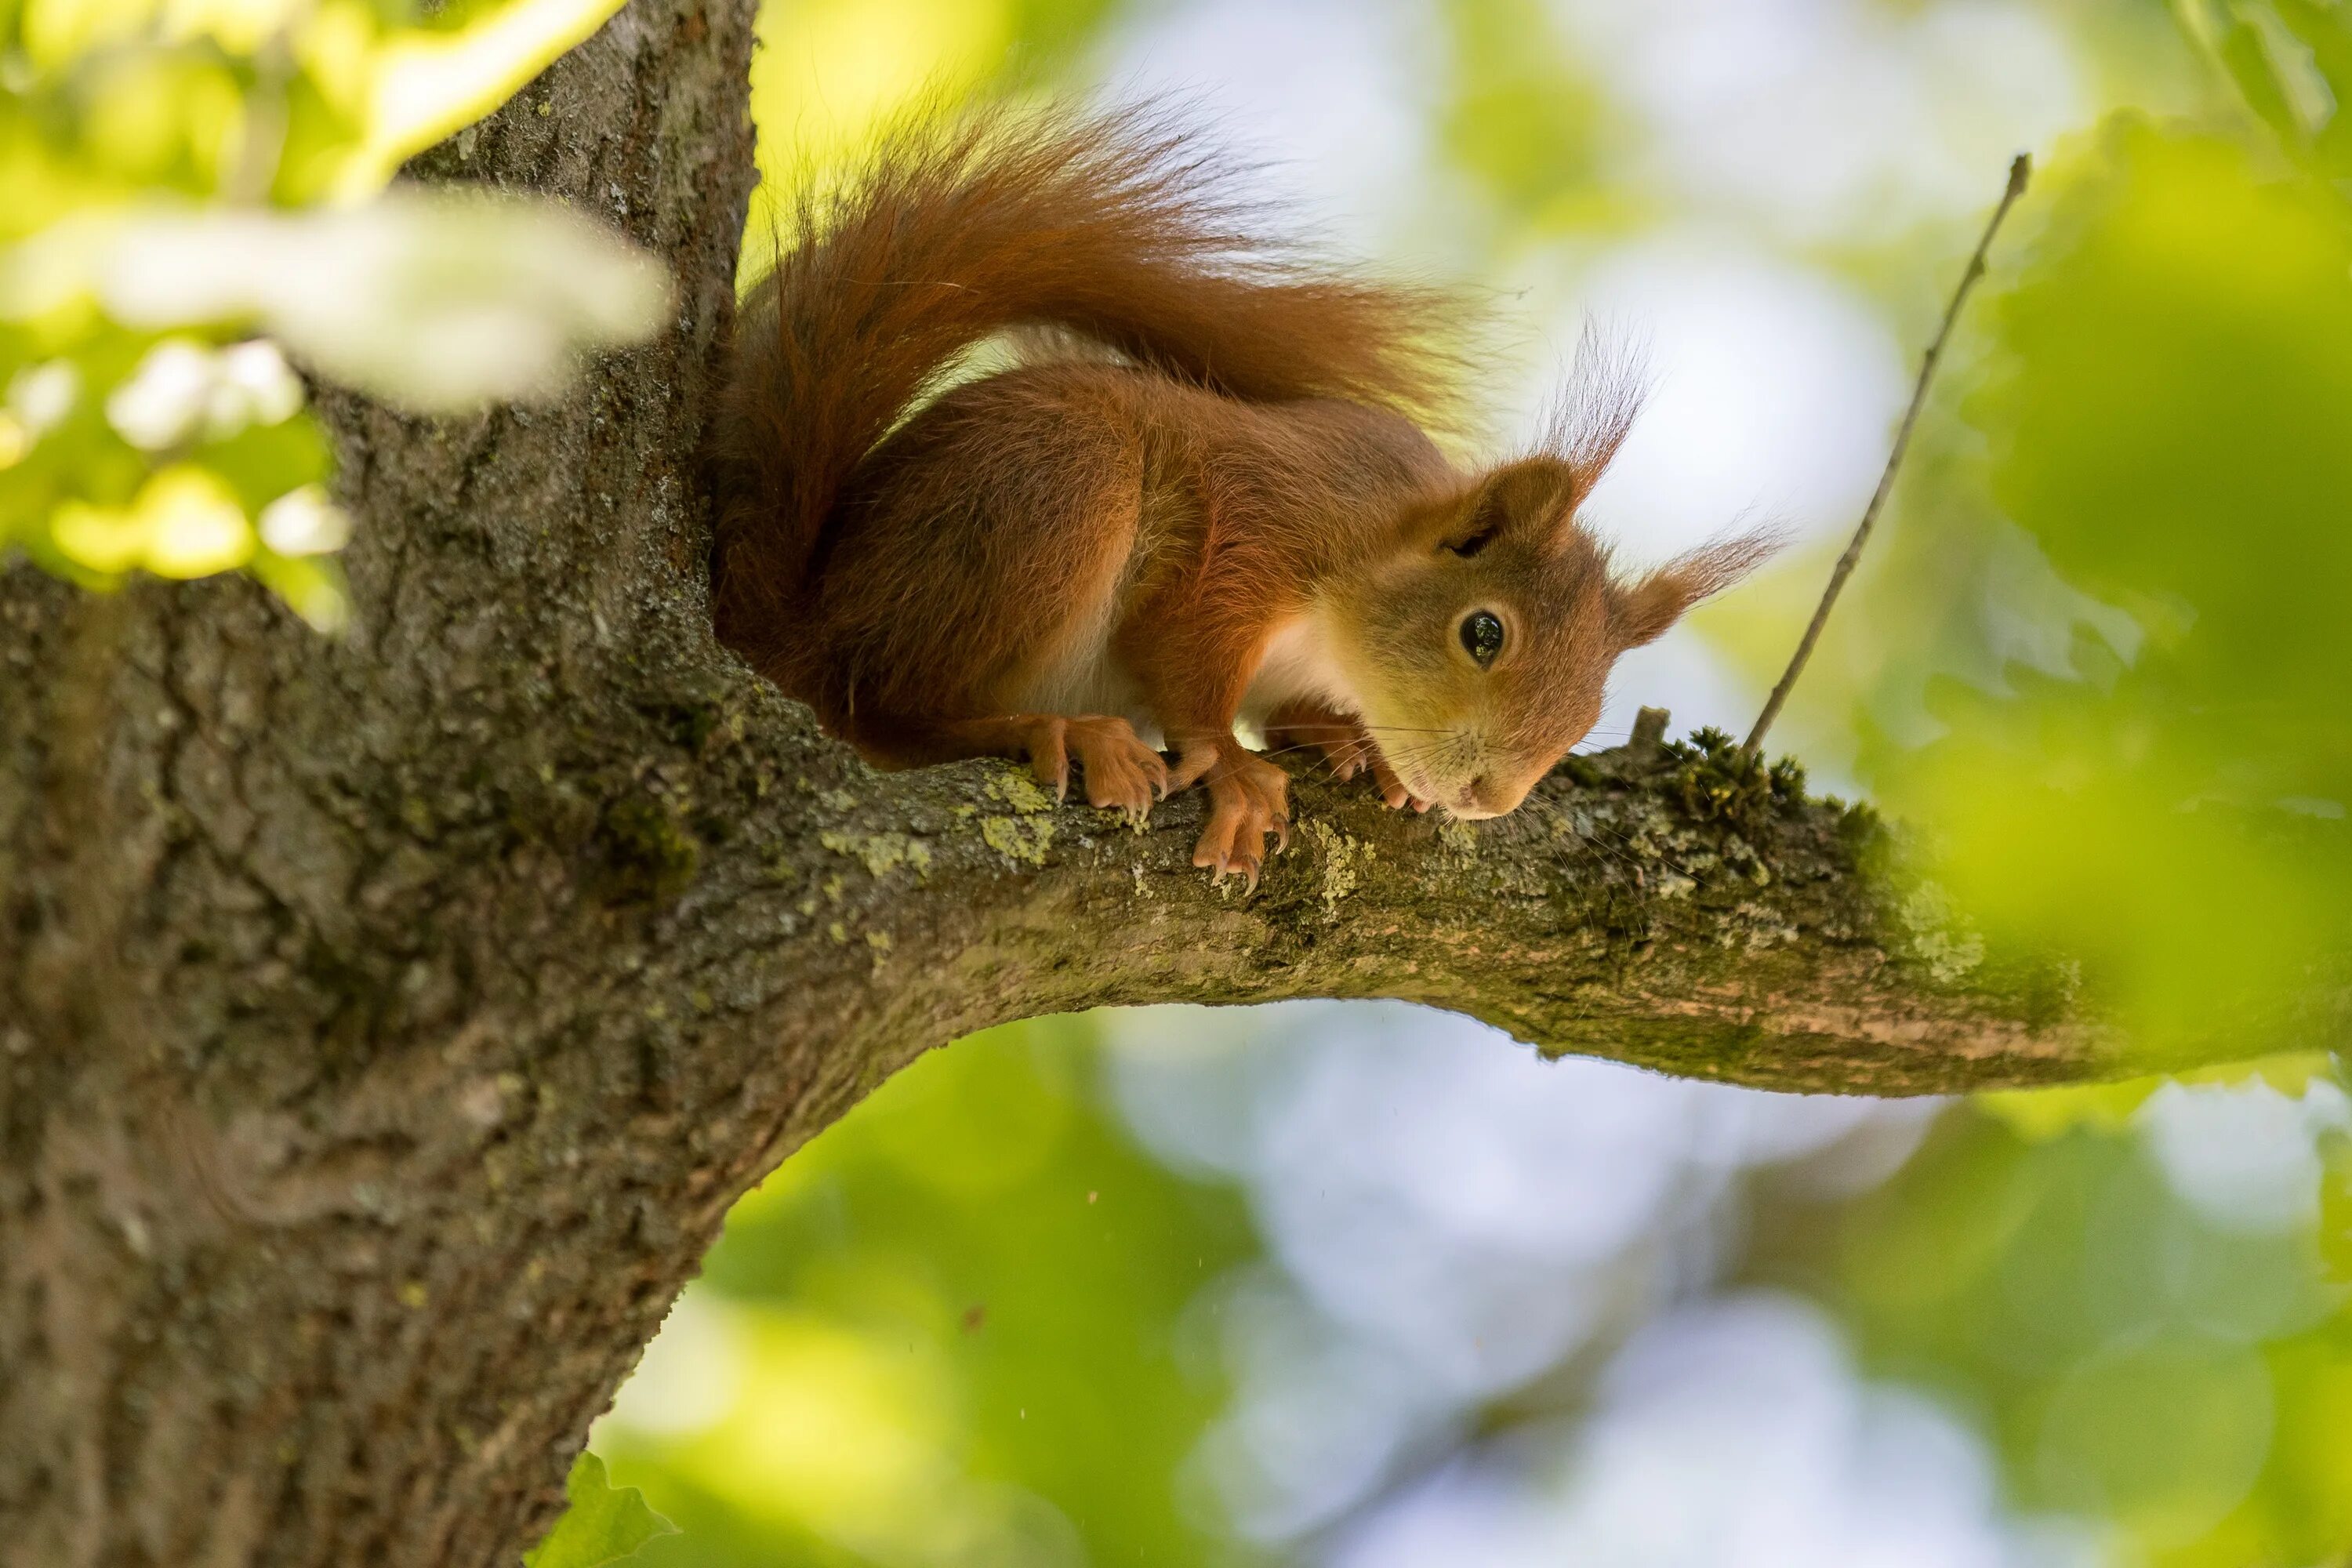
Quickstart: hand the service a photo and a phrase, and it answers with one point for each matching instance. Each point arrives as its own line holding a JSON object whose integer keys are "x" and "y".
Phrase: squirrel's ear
{"x": 1643, "y": 610}
{"x": 1534, "y": 494}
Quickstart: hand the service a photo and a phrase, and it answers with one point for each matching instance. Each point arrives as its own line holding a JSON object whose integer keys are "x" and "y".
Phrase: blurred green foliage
{"x": 192, "y": 191}
{"x": 2187, "y": 1382}
{"x": 971, "y": 1324}
{"x": 2162, "y": 410}
{"x": 1524, "y": 122}
{"x": 2289, "y": 60}
{"x": 953, "y": 1329}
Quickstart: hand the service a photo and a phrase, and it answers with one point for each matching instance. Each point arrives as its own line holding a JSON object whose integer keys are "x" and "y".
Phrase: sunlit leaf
{"x": 603, "y": 1524}
{"x": 305, "y": 523}
{"x": 2043, "y": 1113}
{"x": 193, "y": 523}
{"x": 147, "y": 281}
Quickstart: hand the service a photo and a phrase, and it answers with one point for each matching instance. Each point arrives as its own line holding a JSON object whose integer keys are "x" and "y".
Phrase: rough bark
{"x": 386, "y": 1025}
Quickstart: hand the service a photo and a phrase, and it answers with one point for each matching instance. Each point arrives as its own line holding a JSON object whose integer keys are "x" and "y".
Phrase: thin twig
{"x": 2018, "y": 170}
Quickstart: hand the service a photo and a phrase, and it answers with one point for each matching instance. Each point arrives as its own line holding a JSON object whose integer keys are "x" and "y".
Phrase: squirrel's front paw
{"x": 1346, "y": 746}
{"x": 1249, "y": 798}
{"x": 1393, "y": 791}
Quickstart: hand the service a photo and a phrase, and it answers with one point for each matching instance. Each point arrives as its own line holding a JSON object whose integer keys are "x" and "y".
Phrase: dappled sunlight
{"x": 829, "y": 75}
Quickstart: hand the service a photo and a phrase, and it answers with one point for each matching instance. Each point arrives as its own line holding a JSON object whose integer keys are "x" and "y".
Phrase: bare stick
{"x": 2018, "y": 170}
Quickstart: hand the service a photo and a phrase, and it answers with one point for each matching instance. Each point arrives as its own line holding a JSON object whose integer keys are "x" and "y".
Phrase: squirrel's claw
{"x": 1394, "y": 794}
{"x": 1121, "y": 772}
{"x": 1245, "y": 867}
{"x": 1049, "y": 756}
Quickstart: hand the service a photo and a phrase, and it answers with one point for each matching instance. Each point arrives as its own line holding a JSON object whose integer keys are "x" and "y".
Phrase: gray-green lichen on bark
{"x": 386, "y": 1025}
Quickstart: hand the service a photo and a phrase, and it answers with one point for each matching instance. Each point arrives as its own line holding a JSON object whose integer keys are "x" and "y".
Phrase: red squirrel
{"x": 1201, "y": 496}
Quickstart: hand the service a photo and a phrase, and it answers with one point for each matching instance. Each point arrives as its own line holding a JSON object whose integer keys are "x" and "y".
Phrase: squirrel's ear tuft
{"x": 1596, "y": 410}
{"x": 1641, "y": 611}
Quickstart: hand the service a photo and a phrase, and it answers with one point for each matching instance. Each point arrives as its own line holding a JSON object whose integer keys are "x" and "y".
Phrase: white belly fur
{"x": 1298, "y": 664}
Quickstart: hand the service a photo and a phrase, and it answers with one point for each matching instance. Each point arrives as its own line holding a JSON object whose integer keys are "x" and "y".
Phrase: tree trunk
{"x": 386, "y": 1025}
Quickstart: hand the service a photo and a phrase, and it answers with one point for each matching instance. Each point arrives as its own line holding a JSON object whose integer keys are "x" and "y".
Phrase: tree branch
{"x": 1626, "y": 911}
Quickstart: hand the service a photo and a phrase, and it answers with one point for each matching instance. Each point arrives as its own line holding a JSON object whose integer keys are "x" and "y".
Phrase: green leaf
{"x": 603, "y": 1525}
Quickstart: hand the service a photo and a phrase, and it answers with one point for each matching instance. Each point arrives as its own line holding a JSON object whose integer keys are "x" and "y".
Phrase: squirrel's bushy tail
{"x": 1118, "y": 226}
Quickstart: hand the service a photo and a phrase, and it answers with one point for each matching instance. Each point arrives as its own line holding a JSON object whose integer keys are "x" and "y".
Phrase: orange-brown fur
{"x": 1215, "y": 481}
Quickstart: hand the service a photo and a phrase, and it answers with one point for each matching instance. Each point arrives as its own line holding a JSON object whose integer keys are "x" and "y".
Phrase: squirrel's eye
{"x": 1482, "y": 635}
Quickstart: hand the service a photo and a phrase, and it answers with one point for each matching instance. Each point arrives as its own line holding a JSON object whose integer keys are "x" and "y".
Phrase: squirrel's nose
{"x": 1489, "y": 797}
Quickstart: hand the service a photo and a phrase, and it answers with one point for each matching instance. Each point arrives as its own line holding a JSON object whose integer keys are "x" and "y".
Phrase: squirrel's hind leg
{"x": 1119, "y": 771}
